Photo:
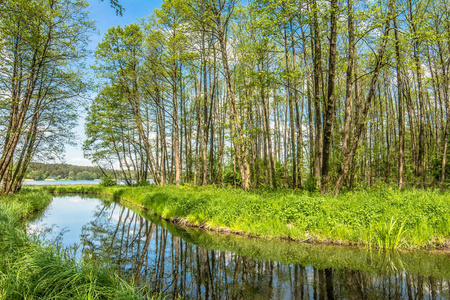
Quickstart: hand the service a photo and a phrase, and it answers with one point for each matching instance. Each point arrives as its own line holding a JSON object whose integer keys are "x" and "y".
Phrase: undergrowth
{"x": 382, "y": 217}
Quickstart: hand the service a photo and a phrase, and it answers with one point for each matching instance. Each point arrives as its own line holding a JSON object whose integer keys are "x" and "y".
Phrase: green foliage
{"x": 47, "y": 42}
{"x": 231, "y": 176}
{"x": 71, "y": 175}
{"x": 85, "y": 175}
{"x": 107, "y": 181}
{"x": 36, "y": 175}
{"x": 19, "y": 206}
{"x": 143, "y": 183}
{"x": 436, "y": 170}
{"x": 62, "y": 171}
{"x": 311, "y": 184}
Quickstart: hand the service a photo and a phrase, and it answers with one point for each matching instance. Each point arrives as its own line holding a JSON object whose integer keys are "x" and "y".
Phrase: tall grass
{"x": 30, "y": 269}
{"x": 381, "y": 217}
{"x": 386, "y": 234}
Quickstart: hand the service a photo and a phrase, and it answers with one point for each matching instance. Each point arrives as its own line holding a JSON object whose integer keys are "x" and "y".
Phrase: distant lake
{"x": 60, "y": 182}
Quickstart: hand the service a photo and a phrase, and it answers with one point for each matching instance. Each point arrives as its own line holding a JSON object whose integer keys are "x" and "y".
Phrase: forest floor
{"x": 32, "y": 269}
{"x": 381, "y": 217}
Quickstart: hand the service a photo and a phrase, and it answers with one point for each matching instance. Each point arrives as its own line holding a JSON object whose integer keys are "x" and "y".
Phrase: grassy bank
{"x": 382, "y": 217}
{"x": 30, "y": 269}
{"x": 371, "y": 261}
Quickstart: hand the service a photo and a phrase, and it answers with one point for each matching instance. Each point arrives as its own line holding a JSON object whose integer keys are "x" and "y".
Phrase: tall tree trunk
{"x": 267, "y": 134}
{"x": 447, "y": 117}
{"x": 176, "y": 131}
{"x": 421, "y": 174}
{"x": 401, "y": 139}
{"x": 348, "y": 87}
{"x": 317, "y": 57}
{"x": 329, "y": 112}
{"x": 291, "y": 110}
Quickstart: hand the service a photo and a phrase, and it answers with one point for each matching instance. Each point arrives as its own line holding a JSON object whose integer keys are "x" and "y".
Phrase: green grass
{"x": 382, "y": 217}
{"x": 30, "y": 269}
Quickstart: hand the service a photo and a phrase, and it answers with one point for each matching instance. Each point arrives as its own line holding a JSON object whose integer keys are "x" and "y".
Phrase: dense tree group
{"x": 279, "y": 94}
{"x": 285, "y": 93}
{"x": 40, "y": 171}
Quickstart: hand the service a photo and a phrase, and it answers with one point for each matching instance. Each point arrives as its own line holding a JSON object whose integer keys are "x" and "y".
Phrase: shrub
{"x": 107, "y": 181}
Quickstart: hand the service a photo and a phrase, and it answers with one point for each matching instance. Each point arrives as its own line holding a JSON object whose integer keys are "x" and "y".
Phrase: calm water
{"x": 194, "y": 264}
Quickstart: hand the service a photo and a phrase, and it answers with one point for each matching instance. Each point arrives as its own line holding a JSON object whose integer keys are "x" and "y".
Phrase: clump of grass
{"x": 386, "y": 235}
{"x": 23, "y": 204}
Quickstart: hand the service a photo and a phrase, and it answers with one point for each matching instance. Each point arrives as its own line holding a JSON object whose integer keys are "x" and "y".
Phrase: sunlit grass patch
{"x": 382, "y": 217}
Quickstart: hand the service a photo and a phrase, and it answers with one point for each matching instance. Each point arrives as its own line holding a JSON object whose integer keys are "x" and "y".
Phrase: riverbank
{"x": 382, "y": 217}
{"x": 30, "y": 269}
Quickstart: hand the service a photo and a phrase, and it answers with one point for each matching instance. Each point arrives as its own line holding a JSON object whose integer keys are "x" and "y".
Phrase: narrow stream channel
{"x": 193, "y": 264}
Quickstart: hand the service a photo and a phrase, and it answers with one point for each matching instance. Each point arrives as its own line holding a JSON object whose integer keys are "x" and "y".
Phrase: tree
{"x": 119, "y": 62}
{"x": 85, "y": 175}
{"x": 42, "y": 46}
{"x": 36, "y": 175}
{"x": 171, "y": 19}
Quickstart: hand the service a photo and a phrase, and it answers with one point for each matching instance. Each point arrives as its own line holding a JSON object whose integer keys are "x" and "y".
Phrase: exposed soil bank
{"x": 380, "y": 218}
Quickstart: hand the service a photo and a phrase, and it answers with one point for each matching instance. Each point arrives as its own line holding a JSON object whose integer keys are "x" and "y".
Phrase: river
{"x": 193, "y": 264}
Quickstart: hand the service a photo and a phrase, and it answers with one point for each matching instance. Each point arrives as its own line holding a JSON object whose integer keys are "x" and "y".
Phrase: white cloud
{"x": 79, "y": 161}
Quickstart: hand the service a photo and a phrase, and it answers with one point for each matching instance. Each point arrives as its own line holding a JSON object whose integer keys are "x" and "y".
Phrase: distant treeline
{"x": 41, "y": 171}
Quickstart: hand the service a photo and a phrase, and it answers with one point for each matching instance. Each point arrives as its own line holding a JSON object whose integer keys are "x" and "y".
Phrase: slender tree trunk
{"x": 330, "y": 107}
{"x": 291, "y": 111}
{"x": 421, "y": 174}
{"x": 267, "y": 134}
{"x": 349, "y": 78}
{"x": 298, "y": 119}
{"x": 176, "y": 131}
{"x": 317, "y": 57}
{"x": 447, "y": 117}
{"x": 401, "y": 142}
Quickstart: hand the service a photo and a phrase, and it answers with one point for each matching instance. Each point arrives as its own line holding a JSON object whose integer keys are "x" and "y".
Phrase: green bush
{"x": 107, "y": 181}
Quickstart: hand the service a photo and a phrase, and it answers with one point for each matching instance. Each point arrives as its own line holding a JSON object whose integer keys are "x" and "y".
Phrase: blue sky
{"x": 105, "y": 18}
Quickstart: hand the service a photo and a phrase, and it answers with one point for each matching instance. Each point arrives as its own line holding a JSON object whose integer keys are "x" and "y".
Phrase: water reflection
{"x": 192, "y": 264}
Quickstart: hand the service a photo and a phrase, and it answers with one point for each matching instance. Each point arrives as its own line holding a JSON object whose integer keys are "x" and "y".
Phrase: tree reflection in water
{"x": 167, "y": 260}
